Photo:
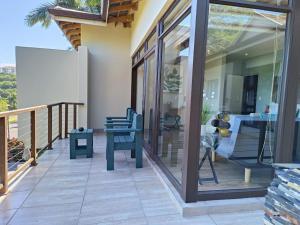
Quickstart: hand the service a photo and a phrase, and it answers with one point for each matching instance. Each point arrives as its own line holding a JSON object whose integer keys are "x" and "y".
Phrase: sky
{"x": 14, "y": 32}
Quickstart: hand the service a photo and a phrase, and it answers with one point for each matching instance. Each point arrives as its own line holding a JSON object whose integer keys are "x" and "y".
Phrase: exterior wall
{"x": 47, "y": 76}
{"x": 109, "y": 71}
{"x": 145, "y": 20}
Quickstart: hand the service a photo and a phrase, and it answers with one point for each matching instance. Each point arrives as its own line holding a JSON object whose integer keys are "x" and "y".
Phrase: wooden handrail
{"x": 24, "y": 110}
{"x": 63, "y": 103}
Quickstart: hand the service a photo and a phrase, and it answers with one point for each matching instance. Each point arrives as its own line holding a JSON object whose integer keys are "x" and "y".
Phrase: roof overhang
{"x": 112, "y": 11}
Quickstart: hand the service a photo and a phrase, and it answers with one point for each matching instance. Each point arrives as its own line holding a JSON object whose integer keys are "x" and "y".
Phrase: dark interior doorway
{"x": 249, "y": 94}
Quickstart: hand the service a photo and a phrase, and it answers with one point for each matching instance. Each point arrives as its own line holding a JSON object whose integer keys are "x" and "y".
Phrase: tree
{"x": 42, "y": 15}
{"x": 3, "y": 105}
{"x": 172, "y": 81}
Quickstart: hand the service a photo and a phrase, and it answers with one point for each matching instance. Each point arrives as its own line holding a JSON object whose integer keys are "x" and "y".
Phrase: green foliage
{"x": 3, "y": 105}
{"x": 206, "y": 114}
{"x": 42, "y": 15}
{"x": 8, "y": 92}
{"x": 172, "y": 81}
{"x": 228, "y": 27}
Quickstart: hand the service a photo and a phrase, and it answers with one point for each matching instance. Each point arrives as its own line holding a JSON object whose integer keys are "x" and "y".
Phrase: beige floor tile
{"x": 178, "y": 220}
{"x": 112, "y": 210}
{"x": 13, "y": 200}
{"x": 60, "y": 191}
{"x": 5, "y": 216}
{"x": 49, "y": 215}
{"x": 249, "y": 218}
{"x": 54, "y": 197}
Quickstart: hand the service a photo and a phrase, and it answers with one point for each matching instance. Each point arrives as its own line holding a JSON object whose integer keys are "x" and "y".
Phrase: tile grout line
{"x": 33, "y": 188}
{"x": 212, "y": 219}
{"x": 85, "y": 191}
{"x": 134, "y": 181}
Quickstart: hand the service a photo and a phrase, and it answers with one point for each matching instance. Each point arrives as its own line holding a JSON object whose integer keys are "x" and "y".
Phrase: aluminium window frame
{"x": 287, "y": 104}
{"x": 188, "y": 188}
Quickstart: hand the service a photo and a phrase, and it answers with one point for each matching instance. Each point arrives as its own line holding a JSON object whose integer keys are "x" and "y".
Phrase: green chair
{"x": 116, "y": 119}
{"x": 125, "y": 139}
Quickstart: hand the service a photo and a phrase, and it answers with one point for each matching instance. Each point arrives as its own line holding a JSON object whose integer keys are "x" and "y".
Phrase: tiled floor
{"x": 63, "y": 192}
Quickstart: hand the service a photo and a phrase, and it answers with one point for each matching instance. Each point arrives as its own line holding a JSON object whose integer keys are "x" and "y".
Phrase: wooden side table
{"x": 76, "y": 148}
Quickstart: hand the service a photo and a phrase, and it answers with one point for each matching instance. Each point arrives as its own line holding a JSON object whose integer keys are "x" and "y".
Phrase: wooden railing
{"x": 26, "y": 133}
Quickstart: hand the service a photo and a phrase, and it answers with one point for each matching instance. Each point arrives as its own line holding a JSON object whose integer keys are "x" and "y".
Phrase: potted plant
{"x": 205, "y": 117}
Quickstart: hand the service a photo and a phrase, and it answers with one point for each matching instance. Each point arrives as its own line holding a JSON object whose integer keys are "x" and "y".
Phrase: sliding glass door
{"x": 242, "y": 83}
{"x": 149, "y": 98}
{"x": 173, "y": 89}
{"x": 140, "y": 88}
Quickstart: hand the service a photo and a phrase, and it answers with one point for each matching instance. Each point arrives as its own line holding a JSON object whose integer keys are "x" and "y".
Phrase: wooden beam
{"x": 118, "y": 1}
{"x": 73, "y": 32}
{"x": 127, "y": 25}
{"x": 121, "y": 19}
{"x": 70, "y": 26}
{"x": 61, "y": 23}
{"x": 120, "y": 8}
{"x": 75, "y": 37}
{"x": 76, "y": 42}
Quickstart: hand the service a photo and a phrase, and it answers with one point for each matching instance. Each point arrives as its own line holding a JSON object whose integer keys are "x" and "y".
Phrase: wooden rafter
{"x": 118, "y": 11}
{"x": 121, "y": 19}
{"x": 118, "y": 1}
{"x": 75, "y": 37}
{"x": 122, "y": 11}
{"x": 73, "y": 32}
{"x": 70, "y": 26}
{"x": 121, "y": 8}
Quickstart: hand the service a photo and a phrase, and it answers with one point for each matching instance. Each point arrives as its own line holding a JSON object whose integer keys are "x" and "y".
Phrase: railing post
{"x": 60, "y": 121}
{"x": 49, "y": 127}
{"x": 33, "y": 137}
{"x": 66, "y": 119}
{"x": 74, "y": 116}
{"x": 3, "y": 155}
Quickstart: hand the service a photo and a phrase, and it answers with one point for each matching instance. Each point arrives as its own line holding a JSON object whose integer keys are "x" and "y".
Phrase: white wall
{"x": 46, "y": 76}
{"x": 109, "y": 71}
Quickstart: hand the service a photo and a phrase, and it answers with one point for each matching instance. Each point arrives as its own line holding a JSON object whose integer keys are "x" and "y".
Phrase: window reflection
{"x": 179, "y": 8}
{"x": 241, "y": 96}
{"x": 296, "y": 154}
{"x": 173, "y": 96}
{"x": 271, "y": 2}
{"x": 149, "y": 103}
{"x": 140, "y": 89}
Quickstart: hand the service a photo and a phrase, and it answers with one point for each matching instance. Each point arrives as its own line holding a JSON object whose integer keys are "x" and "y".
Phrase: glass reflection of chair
{"x": 208, "y": 143}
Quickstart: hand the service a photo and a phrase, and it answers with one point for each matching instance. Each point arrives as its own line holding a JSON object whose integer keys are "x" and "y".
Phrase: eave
{"x": 112, "y": 11}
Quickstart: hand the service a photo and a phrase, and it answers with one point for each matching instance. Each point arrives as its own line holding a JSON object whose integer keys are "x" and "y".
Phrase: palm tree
{"x": 41, "y": 14}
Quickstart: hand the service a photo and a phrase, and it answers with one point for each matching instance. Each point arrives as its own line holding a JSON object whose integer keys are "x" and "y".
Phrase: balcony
{"x": 49, "y": 188}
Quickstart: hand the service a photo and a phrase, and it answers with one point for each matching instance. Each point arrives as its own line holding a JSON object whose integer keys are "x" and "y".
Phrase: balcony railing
{"x": 26, "y": 133}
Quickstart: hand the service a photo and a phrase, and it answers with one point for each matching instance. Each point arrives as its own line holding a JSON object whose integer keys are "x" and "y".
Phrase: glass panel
{"x": 173, "y": 96}
{"x": 142, "y": 52}
{"x": 296, "y": 155}
{"x": 149, "y": 101}
{"x": 179, "y": 8}
{"x": 135, "y": 59}
{"x": 240, "y": 99}
{"x": 271, "y": 2}
{"x": 140, "y": 89}
{"x": 152, "y": 41}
